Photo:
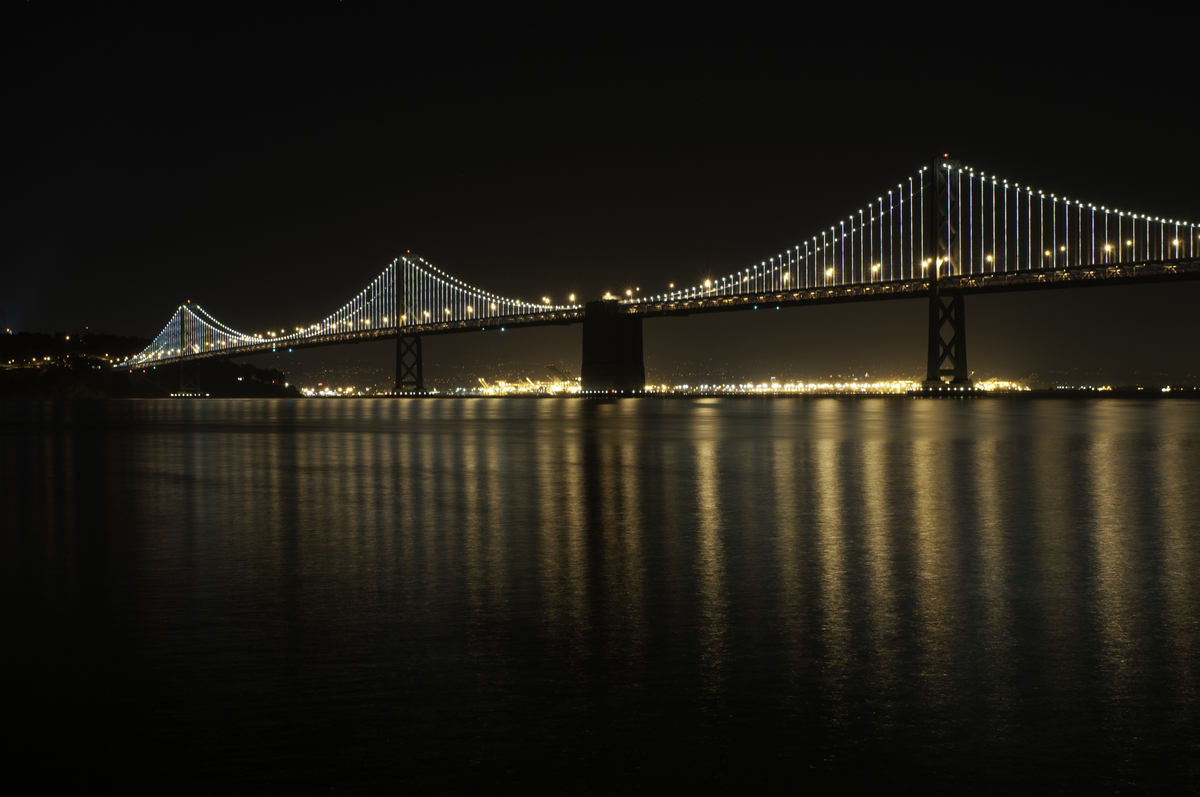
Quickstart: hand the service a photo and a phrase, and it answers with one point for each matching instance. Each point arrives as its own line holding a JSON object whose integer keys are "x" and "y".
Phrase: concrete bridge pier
{"x": 612, "y": 348}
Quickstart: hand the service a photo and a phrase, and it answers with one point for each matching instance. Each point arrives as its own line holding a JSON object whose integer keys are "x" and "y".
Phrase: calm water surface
{"x": 441, "y": 596}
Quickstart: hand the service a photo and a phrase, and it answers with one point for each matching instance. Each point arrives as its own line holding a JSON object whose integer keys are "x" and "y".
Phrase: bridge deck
{"x": 1081, "y": 277}
{"x": 1137, "y": 273}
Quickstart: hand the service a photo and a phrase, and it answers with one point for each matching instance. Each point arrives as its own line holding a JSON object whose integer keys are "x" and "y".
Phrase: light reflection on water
{"x": 448, "y": 594}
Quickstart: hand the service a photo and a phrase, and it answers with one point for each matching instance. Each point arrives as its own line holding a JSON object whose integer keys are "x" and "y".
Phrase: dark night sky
{"x": 267, "y": 165}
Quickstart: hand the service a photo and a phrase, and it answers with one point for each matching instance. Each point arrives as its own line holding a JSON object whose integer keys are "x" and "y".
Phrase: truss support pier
{"x": 947, "y": 357}
{"x": 189, "y": 378}
{"x": 947, "y": 314}
{"x": 410, "y": 376}
{"x": 612, "y": 348}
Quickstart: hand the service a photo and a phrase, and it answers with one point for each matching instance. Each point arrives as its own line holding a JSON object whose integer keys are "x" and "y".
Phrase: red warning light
{"x": 946, "y": 155}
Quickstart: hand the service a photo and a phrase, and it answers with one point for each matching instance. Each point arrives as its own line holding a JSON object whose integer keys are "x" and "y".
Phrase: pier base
{"x": 612, "y": 348}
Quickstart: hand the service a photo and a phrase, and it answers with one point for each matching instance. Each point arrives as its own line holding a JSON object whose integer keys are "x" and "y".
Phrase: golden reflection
{"x": 474, "y": 475}
{"x": 404, "y": 511}
{"x": 790, "y": 487}
{"x": 1055, "y": 552}
{"x": 477, "y": 540}
{"x": 831, "y": 563}
{"x": 563, "y": 571}
{"x": 1109, "y": 466}
{"x": 437, "y": 548}
{"x": 626, "y": 558}
{"x": 878, "y": 529}
{"x": 575, "y": 527}
{"x": 710, "y": 560}
{"x": 988, "y": 538}
{"x": 935, "y": 552}
{"x": 382, "y": 468}
{"x": 618, "y": 500}
{"x": 1177, "y": 474}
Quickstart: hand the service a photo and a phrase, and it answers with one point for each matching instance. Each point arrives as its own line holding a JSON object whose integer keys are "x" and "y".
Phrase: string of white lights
{"x": 411, "y": 292}
{"x": 841, "y": 257}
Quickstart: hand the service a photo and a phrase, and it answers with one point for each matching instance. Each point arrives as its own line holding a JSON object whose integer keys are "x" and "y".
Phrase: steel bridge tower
{"x": 410, "y": 369}
{"x": 947, "y": 314}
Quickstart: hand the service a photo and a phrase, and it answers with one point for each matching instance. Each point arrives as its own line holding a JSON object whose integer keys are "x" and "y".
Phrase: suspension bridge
{"x": 943, "y": 233}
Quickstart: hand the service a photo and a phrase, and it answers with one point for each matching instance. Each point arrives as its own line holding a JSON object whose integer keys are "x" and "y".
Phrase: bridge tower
{"x": 189, "y": 372}
{"x": 947, "y": 314}
{"x": 410, "y": 371}
{"x": 612, "y": 348}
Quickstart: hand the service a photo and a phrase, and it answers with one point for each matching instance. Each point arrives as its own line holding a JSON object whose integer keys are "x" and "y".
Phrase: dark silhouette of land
{"x": 70, "y": 366}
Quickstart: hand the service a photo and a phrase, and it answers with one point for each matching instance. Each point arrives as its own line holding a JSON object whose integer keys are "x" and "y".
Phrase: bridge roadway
{"x": 1135, "y": 273}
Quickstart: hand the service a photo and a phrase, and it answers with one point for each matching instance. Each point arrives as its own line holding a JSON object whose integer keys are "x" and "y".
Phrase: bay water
{"x": 453, "y": 596}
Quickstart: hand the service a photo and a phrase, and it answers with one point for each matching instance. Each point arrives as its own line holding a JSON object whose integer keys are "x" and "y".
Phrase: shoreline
{"x": 1145, "y": 394}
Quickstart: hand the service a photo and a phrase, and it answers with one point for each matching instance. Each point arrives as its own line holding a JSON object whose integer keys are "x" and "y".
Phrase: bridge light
{"x": 1062, "y": 248}
{"x": 989, "y": 258}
